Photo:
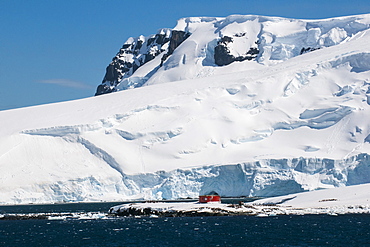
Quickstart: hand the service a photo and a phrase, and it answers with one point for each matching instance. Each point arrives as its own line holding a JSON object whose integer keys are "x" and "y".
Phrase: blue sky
{"x": 57, "y": 50}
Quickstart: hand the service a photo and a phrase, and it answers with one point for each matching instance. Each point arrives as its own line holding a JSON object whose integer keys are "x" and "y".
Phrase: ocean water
{"x": 308, "y": 230}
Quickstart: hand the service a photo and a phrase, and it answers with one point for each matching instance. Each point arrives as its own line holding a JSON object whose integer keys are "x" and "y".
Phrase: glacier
{"x": 289, "y": 113}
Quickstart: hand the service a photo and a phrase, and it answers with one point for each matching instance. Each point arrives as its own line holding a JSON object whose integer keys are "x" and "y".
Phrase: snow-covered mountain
{"x": 207, "y": 44}
{"x": 242, "y": 105}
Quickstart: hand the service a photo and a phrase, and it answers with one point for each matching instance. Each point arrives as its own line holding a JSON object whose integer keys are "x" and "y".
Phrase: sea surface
{"x": 308, "y": 230}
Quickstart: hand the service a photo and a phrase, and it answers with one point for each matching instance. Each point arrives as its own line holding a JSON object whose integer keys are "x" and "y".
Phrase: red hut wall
{"x": 209, "y": 198}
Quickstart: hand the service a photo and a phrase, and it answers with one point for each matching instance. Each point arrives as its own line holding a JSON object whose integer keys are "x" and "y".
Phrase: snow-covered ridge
{"x": 197, "y": 46}
{"x": 243, "y": 129}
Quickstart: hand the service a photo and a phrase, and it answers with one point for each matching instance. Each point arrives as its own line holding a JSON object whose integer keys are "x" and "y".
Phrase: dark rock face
{"x": 130, "y": 57}
{"x": 308, "y": 49}
{"x": 137, "y": 53}
{"x": 222, "y": 54}
{"x": 177, "y": 37}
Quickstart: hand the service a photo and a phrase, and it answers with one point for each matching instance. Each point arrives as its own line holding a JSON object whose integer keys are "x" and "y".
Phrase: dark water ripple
{"x": 308, "y": 230}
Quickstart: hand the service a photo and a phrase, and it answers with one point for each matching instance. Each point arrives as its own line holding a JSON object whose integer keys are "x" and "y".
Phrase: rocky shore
{"x": 200, "y": 210}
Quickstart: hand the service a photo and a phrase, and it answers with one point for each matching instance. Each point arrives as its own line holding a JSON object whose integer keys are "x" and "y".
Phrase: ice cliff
{"x": 242, "y": 105}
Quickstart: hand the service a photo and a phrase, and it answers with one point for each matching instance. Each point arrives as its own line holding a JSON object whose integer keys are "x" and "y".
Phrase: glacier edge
{"x": 269, "y": 177}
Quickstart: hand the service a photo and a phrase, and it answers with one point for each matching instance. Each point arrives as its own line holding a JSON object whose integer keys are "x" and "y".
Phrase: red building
{"x": 210, "y": 197}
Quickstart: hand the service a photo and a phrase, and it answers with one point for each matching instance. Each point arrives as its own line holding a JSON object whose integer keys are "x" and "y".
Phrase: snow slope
{"x": 355, "y": 195}
{"x": 272, "y": 125}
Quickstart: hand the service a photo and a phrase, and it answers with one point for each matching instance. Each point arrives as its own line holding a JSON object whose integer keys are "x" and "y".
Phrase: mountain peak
{"x": 215, "y": 42}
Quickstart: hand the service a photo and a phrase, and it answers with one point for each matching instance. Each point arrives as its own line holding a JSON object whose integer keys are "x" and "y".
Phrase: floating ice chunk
{"x": 57, "y": 217}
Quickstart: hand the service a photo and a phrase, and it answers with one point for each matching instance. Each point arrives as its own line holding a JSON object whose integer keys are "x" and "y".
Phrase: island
{"x": 336, "y": 201}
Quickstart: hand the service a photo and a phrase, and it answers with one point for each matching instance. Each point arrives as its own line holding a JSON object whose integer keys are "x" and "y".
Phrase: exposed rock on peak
{"x": 133, "y": 54}
{"x": 137, "y": 52}
{"x": 308, "y": 49}
{"x": 222, "y": 52}
{"x": 177, "y": 37}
